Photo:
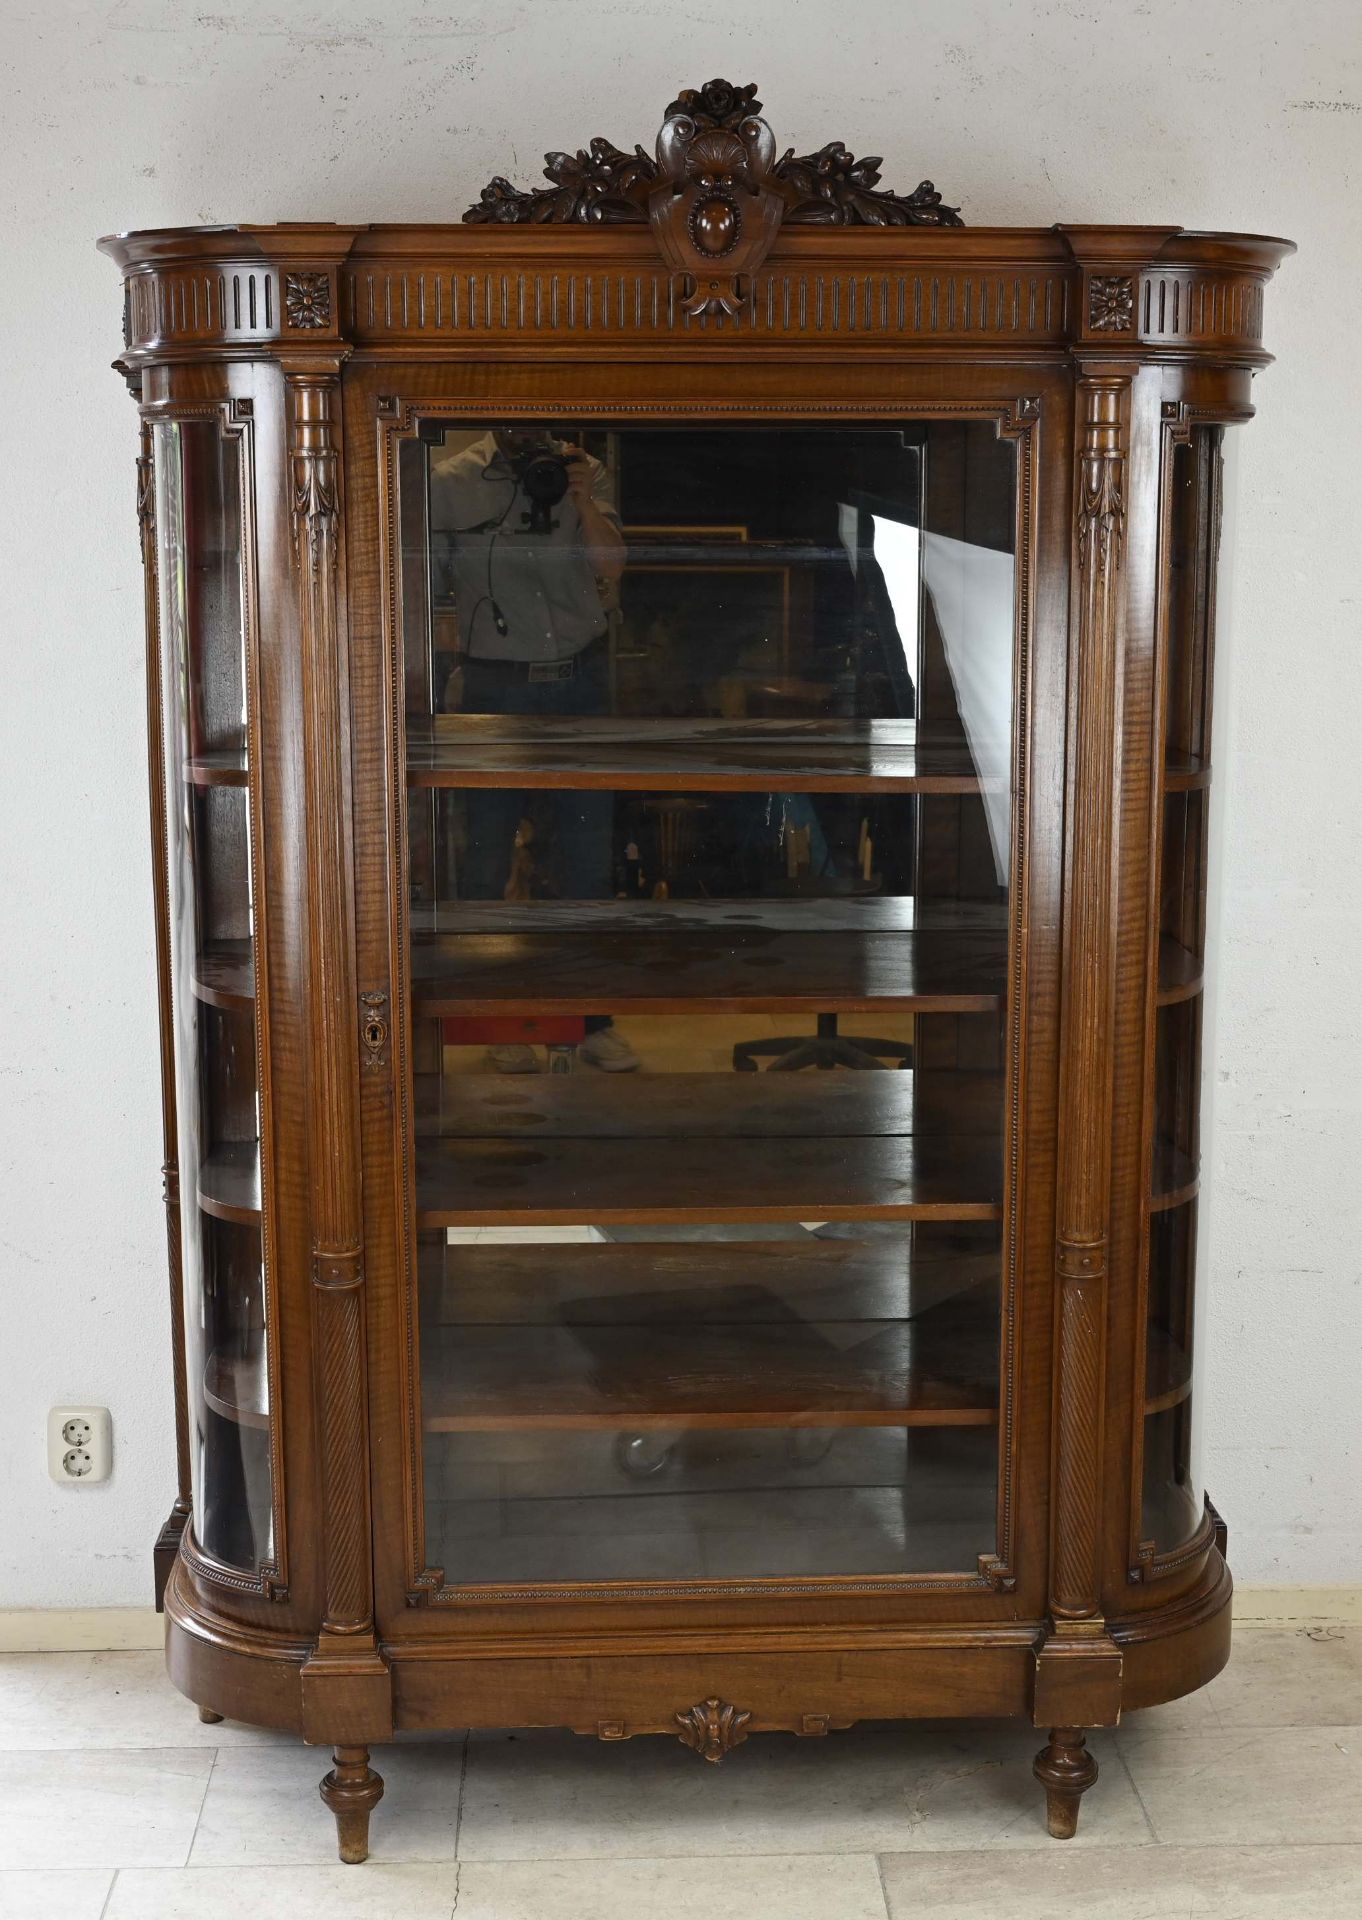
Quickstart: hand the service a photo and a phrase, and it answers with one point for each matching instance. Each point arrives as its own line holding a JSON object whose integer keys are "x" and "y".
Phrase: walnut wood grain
{"x": 1086, "y": 1060}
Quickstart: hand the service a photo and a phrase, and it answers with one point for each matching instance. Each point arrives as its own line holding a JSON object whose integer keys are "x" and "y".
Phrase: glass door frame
{"x": 234, "y": 419}
{"x": 386, "y": 405}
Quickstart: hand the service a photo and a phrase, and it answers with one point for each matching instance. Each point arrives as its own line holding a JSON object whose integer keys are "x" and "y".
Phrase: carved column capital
{"x": 315, "y": 507}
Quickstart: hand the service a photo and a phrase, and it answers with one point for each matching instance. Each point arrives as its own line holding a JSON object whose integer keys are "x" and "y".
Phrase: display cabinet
{"x": 680, "y": 719}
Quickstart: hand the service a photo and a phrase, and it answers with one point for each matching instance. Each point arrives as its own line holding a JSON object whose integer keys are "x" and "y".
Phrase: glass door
{"x": 208, "y": 702}
{"x": 709, "y": 863}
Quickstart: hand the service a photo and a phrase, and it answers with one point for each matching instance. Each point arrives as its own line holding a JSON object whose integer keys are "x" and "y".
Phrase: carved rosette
{"x": 712, "y": 1728}
{"x": 307, "y": 300}
{"x": 715, "y": 196}
{"x": 1111, "y": 303}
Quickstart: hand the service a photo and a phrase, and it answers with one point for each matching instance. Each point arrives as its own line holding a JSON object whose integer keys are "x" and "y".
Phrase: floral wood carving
{"x": 307, "y": 299}
{"x": 1111, "y": 303}
{"x": 713, "y": 1728}
{"x": 602, "y": 183}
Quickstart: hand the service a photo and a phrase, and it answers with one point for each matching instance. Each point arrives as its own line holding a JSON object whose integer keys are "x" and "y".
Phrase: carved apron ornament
{"x": 716, "y": 196}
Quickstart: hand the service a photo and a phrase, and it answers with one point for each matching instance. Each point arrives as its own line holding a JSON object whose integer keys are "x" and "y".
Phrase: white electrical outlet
{"x": 79, "y": 1445}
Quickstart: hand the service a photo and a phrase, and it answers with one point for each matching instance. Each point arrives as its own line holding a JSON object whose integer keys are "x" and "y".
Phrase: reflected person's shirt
{"x": 542, "y": 584}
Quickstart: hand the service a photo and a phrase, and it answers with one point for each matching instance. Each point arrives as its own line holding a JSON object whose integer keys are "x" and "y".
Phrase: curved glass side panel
{"x": 1172, "y": 1501}
{"x": 211, "y": 889}
{"x": 709, "y": 848}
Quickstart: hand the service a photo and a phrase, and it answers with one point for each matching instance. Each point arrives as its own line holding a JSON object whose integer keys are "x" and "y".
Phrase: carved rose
{"x": 603, "y": 183}
{"x": 716, "y": 104}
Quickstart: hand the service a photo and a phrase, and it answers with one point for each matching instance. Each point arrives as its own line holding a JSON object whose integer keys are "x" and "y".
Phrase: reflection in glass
{"x": 204, "y": 695}
{"x": 709, "y": 780}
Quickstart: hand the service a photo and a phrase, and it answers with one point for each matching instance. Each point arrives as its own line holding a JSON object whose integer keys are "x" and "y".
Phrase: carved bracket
{"x": 715, "y": 195}
{"x": 713, "y": 1728}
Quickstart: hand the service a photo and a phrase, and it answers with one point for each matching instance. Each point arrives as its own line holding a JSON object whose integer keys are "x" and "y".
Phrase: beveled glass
{"x": 709, "y": 868}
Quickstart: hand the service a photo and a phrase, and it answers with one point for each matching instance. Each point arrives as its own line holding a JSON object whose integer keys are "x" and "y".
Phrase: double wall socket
{"x": 79, "y": 1445}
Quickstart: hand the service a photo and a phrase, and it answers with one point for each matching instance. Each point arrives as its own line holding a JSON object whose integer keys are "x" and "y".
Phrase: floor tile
{"x": 1304, "y": 1675}
{"x": 1167, "y": 1883}
{"x": 1280, "y": 1787}
{"x": 814, "y": 1887}
{"x": 262, "y": 1806}
{"x": 57, "y": 1700}
{"x": 56, "y": 1893}
{"x": 538, "y": 1796}
{"x": 96, "y": 1809}
{"x": 370, "y": 1892}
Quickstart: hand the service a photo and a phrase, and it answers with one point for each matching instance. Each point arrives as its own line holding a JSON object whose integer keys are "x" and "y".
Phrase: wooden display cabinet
{"x": 734, "y": 643}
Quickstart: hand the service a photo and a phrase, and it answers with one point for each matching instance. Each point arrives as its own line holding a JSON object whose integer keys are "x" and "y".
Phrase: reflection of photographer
{"x": 535, "y": 555}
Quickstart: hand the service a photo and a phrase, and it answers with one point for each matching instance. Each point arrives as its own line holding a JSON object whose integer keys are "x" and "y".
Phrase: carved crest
{"x": 715, "y": 195}
{"x": 713, "y": 1728}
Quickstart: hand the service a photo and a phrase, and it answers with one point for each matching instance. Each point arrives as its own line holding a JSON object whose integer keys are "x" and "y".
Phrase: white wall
{"x": 1225, "y": 113}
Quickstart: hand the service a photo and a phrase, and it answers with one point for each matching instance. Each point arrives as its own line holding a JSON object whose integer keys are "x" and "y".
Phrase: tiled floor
{"x": 1243, "y": 1802}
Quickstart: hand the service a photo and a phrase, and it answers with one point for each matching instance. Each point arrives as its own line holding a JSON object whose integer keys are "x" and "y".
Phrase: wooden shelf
{"x": 225, "y": 767}
{"x": 1186, "y": 773}
{"x": 1168, "y": 1372}
{"x": 663, "y": 1282}
{"x": 224, "y": 975}
{"x": 1181, "y": 974}
{"x": 801, "y": 1373}
{"x": 773, "y": 958}
{"x": 690, "y": 756}
{"x": 680, "y": 1148}
{"x": 797, "y": 913}
{"x": 236, "y": 1386}
{"x": 229, "y": 1183}
{"x": 1176, "y": 1178}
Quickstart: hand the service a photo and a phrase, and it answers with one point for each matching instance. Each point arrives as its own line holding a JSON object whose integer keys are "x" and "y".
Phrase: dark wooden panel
{"x": 1181, "y": 974}
{"x": 229, "y": 1182}
{"x": 736, "y": 969}
{"x": 803, "y": 1373}
{"x": 223, "y": 767}
{"x": 691, "y": 756}
{"x": 887, "y": 1275}
{"x": 832, "y": 1107}
{"x": 564, "y": 1180}
{"x": 224, "y": 974}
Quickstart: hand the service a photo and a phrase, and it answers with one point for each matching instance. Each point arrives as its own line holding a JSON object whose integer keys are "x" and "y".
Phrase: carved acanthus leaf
{"x": 713, "y": 1728}
{"x": 604, "y": 184}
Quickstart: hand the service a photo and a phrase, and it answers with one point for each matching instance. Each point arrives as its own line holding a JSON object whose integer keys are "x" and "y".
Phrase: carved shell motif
{"x": 713, "y": 1728}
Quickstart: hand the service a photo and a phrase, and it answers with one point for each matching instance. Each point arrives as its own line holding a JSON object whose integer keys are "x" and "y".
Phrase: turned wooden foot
{"x": 208, "y": 1717}
{"x": 352, "y": 1790}
{"x": 1066, "y": 1770}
